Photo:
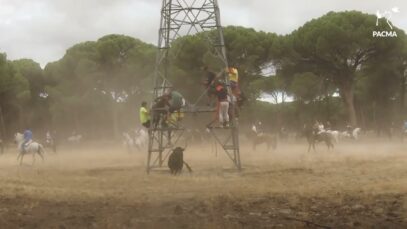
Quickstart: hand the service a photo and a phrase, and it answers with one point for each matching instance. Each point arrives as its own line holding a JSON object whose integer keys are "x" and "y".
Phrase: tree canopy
{"x": 329, "y": 67}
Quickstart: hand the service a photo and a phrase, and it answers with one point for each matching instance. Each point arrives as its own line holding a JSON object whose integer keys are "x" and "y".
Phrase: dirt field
{"x": 357, "y": 185}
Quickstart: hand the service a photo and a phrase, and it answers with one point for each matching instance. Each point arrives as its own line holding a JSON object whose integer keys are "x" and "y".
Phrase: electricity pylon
{"x": 181, "y": 18}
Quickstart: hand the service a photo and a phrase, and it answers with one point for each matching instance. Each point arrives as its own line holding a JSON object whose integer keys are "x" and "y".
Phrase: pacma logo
{"x": 384, "y": 34}
{"x": 387, "y": 15}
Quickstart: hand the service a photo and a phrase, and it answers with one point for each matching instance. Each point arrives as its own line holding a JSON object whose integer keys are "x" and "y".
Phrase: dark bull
{"x": 176, "y": 161}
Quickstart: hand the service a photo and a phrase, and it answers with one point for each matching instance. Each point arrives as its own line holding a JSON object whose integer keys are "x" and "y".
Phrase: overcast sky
{"x": 44, "y": 29}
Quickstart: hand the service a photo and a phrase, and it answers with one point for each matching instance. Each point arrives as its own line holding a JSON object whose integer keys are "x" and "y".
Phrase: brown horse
{"x": 258, "y": 139}
{"x": 313, "y": 137}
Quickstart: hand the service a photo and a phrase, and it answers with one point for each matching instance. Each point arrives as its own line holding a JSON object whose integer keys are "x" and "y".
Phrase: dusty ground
{"x": 357, "y": 185}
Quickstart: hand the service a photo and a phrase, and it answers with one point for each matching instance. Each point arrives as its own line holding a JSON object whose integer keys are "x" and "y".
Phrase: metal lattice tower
{"x": 181, "y": 18}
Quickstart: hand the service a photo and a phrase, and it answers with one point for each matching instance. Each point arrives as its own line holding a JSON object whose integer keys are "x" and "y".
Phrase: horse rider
{"x": 283, "y": 132}
{"x": 321, "y": 128}
{"x": 328, "y": 125}
{"x": 257, "y": 128}
{"x": 318, "y": 127}
{"x": 349, "y": 130}
{"x": 144, "y": 115}
{"x": 254, "y": 128}
{"x": 48, "y": 137}
{"x": 28, "y": 135}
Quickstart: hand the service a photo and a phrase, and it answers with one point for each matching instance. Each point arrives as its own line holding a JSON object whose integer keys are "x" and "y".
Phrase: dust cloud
{"x": 101, "y": 185}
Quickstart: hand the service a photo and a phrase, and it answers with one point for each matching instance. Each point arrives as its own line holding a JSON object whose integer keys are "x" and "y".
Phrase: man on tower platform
{"x": 223, "y": 104}
{"x": 144, "y": 115}
{"x": 159, "y": 110}
{"x": 210, "y": 77}
{"x": 233, "y": 75}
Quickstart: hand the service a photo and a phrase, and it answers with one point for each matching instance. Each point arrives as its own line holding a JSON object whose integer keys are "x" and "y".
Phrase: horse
{"x": 50, "y": 143}
{"x": 141, "y": 138}
{"x": 354, "y": 135}
{"x": 32, "y": 147}
{"x": 356, "y": 132}
{"x": 313, "y": 138}
{"x": 76, "y": 139}
{"x": 138, "y": 140}
{"x": 128, "y": 142}
{"x": 257, "y": 139}
{"x": 335, "y": 135}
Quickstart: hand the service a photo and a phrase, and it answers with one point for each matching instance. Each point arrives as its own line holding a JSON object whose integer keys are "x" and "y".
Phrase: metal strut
{"x": 182, "y": 18}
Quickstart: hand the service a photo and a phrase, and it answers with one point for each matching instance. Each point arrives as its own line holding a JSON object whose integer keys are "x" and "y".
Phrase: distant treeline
{"x": 332, "y": 66}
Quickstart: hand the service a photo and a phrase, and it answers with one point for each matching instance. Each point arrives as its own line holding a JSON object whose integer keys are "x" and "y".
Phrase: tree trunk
{"x": 21, "y": 122}
{"x": 363, "y": 118}
{"x": 283, "y": 95}
{"x": 3, "y": 127}
{"x": 402, "y": 104}
{"x": 348, "y": 98}
{"x": 76, "y": 122}
{"x": 403, "y": 95}
{"x": 115, "y": 121}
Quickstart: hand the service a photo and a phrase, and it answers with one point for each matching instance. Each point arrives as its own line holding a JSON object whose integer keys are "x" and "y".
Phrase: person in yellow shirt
{"x": 233, "y": 75}
{"x": 144, "y": 115}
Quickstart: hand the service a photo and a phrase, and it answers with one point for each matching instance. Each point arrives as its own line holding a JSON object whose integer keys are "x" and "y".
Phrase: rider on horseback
{"x": 315, "y": 128}
{"x": 48, "y": 137}
{"x": 328, "y": 126}
{"x": 257, "y": 128}
{"x": 349, "y": 130}
{"x": 28, "y": 135}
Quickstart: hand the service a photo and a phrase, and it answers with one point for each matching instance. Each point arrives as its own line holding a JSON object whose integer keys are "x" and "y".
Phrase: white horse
{"x": 334, "y": 134}
{"x": 75, "y": 139}
{"x": 128, "y": 142}
{"x": 139, "y": 141}
{"x": 353, "y": 135}
{"x": 141, "y": 138}
{"x": 30, "y": 148}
